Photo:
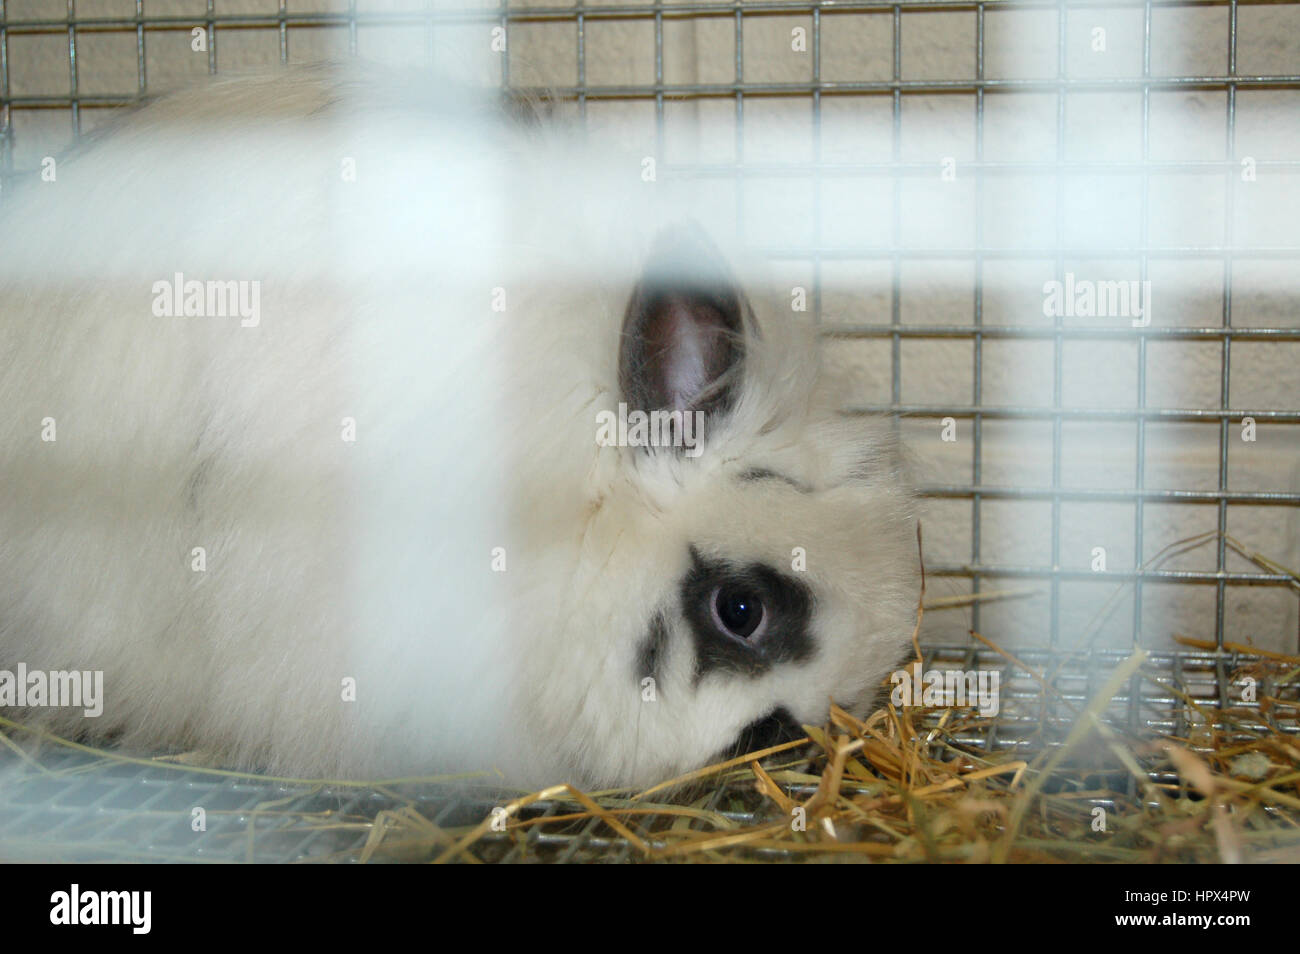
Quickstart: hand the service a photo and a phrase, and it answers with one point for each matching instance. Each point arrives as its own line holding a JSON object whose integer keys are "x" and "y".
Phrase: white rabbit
{"x": 362, "y": 520}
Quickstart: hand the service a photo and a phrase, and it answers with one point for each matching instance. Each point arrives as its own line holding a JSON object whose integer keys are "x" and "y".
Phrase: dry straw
{"x": 896, "y": 786}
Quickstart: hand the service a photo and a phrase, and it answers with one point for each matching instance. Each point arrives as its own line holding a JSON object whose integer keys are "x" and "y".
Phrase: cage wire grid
{"x": 106, "y": 811}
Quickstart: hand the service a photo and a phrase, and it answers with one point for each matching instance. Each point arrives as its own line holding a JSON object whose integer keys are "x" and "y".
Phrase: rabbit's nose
{"x": 776, "y": 727}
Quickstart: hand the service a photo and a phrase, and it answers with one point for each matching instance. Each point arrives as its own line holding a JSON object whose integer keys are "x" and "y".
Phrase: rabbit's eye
{"x": 737, "y": 610}
{"x": 745, "y": 617}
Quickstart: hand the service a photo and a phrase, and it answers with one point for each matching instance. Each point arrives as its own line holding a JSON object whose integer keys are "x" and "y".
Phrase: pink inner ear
{"x": 691, "y": 346}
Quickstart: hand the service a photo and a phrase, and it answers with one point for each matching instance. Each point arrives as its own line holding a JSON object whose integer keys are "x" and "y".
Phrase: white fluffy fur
{"x": 372, "y": 559}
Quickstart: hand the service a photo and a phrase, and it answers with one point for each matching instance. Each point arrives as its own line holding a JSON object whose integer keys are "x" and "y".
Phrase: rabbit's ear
{"x": 684, "y": 332}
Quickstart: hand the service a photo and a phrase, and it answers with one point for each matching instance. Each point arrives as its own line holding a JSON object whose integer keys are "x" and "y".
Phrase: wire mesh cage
{"x": 1152, "y": 463}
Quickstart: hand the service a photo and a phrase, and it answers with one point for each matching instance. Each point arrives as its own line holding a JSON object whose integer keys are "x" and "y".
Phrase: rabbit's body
{"x": 391, "y": 467}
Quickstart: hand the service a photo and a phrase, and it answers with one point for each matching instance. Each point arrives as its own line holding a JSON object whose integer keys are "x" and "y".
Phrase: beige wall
{"x": 1101, "y": 211}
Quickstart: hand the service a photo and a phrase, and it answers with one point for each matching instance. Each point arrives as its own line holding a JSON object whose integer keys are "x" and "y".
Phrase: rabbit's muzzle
{"x": 773, "y": 729}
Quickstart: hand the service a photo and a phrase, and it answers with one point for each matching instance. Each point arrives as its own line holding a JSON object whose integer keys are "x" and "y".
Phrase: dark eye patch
{"x": 787, "y": 603}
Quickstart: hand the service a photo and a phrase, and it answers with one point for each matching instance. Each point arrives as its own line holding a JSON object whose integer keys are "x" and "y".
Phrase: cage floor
{"x": 64, "y": 804}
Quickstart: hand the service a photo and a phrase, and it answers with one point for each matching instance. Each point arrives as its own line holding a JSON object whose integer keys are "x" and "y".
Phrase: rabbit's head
{"x": 748, "y": 552}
